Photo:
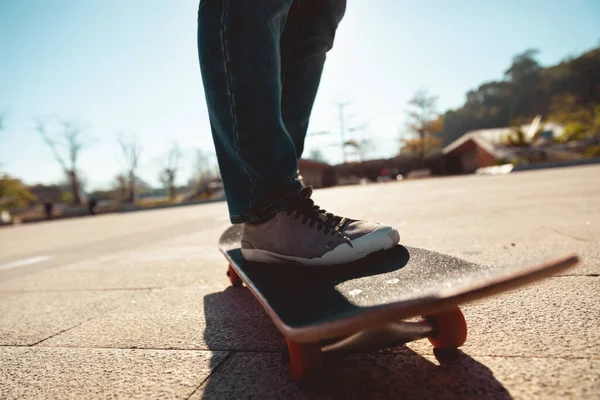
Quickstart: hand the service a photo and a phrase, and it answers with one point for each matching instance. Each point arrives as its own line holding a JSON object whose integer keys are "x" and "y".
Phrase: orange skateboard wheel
{"x": 449, "y": 328}
{"x": 305, "y": 360}
{"x": 234, "y": 278}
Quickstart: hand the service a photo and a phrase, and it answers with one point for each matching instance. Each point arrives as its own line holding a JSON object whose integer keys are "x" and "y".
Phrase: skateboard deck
{"x": 362, "y": 302}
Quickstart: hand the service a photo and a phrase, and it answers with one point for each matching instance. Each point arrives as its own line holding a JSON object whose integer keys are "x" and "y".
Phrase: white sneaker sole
{"x": 382, "y": 238}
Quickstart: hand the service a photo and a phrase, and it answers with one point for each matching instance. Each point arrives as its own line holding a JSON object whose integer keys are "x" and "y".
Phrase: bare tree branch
{"x": 72, "y": 136}
{"x": 202, "y": 169}
{"x": 74, "y": 145}
{"x": 168, "y": 173}
{"x": 422, "y": 121}
{"x": 132, "y": 150}
{"x": 41, "y": 127}
{"x": 2, "y": 126}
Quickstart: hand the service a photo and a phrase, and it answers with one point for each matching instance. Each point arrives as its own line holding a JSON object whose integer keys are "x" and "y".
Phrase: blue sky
{"x": 132, "y": 66}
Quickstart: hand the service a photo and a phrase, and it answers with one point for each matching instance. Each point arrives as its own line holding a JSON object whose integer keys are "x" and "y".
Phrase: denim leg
{"x": 308, "y": 35}
{"x": 240, "y": 61}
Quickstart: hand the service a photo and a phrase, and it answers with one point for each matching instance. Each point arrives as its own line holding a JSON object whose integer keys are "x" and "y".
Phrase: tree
{"x": 13, "y": 193}
{"x": 580, "y": 121}
{"x": 361, "y": 147}
{"x": 415, "y": 145}
{"x": 488, "y": 106}
{"x": 71, "y": 145}
{"x": 132, "y": 150}
{"x": 170, "y": 166}
{"x": 524, "y": 77}
{"x": 524, "y": 65}
{"x": 2, "y": 125}
{"x": 519, "y": 137}
{"x": 121, "y": 187}
{"x": 567, "y": 92}
{"x": 203, "y": 170}
{"x": 566, "y": 108}
{"x": 423, "y": 121}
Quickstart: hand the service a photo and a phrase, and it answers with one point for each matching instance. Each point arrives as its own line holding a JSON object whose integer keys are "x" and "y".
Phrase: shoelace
{"x": 305, "y": 207}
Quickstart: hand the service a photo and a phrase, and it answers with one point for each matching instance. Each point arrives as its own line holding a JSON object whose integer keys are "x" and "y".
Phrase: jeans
{"x": 261, "y": 63}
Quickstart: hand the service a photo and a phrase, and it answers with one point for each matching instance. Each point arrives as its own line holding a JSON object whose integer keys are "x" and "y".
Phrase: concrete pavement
{"x": 137, "y": 305}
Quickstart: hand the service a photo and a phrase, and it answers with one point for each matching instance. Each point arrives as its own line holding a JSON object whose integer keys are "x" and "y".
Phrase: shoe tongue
{"x": 305, "y": 194}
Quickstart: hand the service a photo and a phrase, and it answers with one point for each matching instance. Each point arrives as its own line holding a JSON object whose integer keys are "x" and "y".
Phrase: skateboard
{"x": 373, "y": 303}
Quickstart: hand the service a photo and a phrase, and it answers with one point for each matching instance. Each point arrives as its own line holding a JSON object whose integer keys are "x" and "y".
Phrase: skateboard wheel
{"x": 233, "y": 277}
{"x": 305, "y": 360}
{"x": 449, "y": 329}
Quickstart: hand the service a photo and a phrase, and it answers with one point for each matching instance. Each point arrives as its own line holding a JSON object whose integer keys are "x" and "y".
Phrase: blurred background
{"x": 102, "y": 106}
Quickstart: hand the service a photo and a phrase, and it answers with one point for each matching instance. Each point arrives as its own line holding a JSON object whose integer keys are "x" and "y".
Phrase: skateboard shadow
{"x": 255, "y": 366}
{"x": 235, "y": 321}
{"x": 306, "y": 295}
{"x": 405, "y": 374}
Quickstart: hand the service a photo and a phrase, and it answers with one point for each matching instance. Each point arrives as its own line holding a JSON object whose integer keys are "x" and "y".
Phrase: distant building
{"x": 316, "y": 174}
{"x": 486, "y": 147}
{"x": 388, "y": 168}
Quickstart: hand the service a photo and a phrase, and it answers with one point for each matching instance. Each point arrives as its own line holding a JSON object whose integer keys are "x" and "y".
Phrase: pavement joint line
{"x": 212, "y": 371}
{"x": 146, "y": 348}
{"x": 150, "y": 289}
{"x": 108, "y": 348}
{"x": 375, "y": 353}
{"x": 81, "y": 290}
{"x": 68, "y": 329}
{"x": 525, "y": 357}
{"x": 472, "y": 355}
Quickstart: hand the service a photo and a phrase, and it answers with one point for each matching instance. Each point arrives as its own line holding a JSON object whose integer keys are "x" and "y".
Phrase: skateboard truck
{"x": 448, "y": 331}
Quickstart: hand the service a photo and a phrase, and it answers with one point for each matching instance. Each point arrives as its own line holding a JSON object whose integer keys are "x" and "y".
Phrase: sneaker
{"x": 306, "y": 234}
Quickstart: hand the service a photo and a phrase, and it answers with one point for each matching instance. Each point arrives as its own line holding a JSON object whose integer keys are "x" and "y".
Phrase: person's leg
{"x": 239, "y": 43}
{"x": 308, "y": 35}
{"x": 239, "y": 52}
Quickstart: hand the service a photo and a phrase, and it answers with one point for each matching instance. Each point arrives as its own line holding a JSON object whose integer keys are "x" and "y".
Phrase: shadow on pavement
{"x": 235, "y": 322}
{"x": 404, "y": 374}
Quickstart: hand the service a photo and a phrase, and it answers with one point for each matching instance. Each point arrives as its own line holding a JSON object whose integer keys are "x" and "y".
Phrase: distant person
{"x": 93, "y": 206}
{"x": 261, "y": 63}
{"x": 48, "y": 207}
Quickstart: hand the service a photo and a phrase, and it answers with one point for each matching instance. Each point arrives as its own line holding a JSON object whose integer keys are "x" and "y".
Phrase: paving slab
{"x": 28, "y": 318}
{"x": 48, "y": 373}
{"x": 205, "y": 318}
{"x": 455, "y": 375}
{"x": 558, "y": 317}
